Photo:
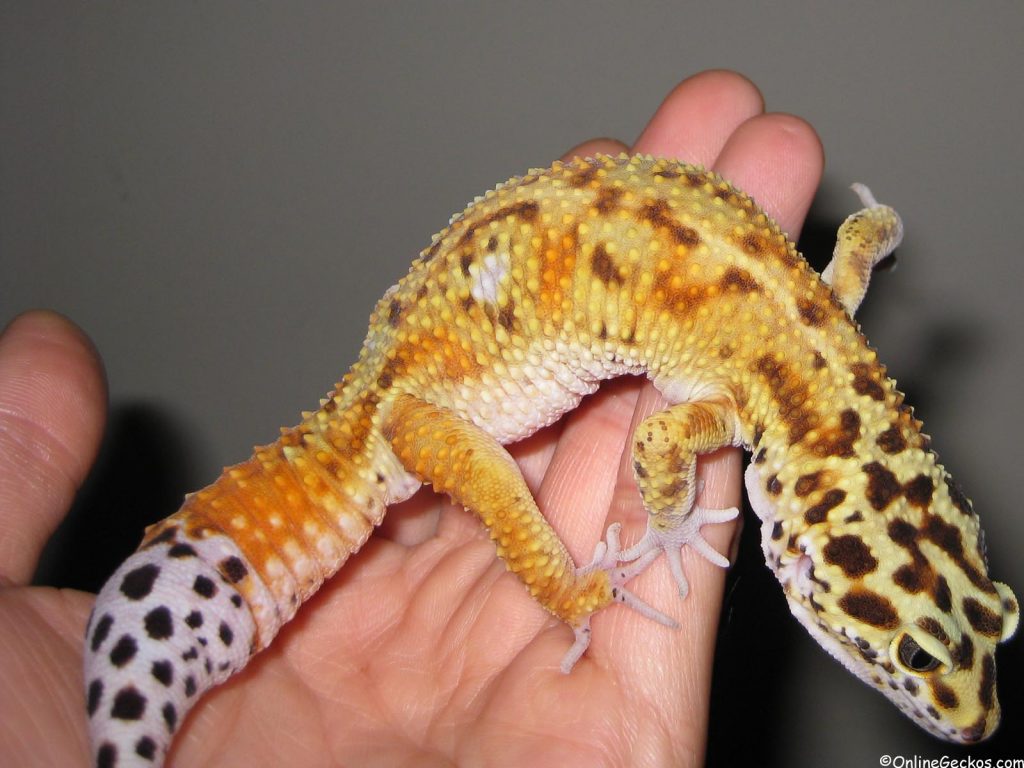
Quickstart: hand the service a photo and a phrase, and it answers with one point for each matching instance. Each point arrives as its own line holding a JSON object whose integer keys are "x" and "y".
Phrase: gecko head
{"x": 903, "y": 600}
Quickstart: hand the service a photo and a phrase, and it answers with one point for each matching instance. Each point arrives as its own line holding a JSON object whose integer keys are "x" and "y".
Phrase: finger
{"x": 778, "y": 160}
{"x": 697, "y": 118}
{"x": 52, "y": 409}
{"x": 693, "y": 122}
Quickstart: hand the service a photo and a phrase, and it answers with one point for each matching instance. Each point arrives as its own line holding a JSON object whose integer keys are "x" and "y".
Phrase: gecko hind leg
{"x": 665, "y": 450}
{"x": 864, "y": 239}
{"x": 608, "y": 558}
{"x": 461, "y": 460}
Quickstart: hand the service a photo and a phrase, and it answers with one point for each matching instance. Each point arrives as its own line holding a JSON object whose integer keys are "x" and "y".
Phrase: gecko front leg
{"x": 665, "y": 450}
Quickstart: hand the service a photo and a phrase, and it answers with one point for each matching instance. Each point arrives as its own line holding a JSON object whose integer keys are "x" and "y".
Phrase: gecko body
{"x": 539, "y": 290}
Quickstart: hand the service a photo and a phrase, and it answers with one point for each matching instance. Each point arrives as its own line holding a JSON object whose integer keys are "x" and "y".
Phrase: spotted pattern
{"x": 149, "y": 654}
{"x": 509, "y": 317}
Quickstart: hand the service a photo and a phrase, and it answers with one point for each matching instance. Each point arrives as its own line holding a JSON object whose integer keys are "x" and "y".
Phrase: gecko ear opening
{"x": 1011, "y": 610}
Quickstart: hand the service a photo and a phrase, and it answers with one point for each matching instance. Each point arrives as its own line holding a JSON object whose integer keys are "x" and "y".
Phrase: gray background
{"x": 218, "y": 193}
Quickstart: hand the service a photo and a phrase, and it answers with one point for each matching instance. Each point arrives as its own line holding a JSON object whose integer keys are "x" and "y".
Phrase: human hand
{"x": 422, "y": 650}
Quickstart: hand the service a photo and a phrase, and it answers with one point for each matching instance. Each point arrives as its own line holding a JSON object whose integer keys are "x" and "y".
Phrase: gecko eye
{"x": 914, "y": 657}
{"x": 919, "y": 653}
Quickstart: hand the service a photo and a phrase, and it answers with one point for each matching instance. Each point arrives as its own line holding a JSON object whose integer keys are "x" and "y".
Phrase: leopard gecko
{"x": 540, "y": 289}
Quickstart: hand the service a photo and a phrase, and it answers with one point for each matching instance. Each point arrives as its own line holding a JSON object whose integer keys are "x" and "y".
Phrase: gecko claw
{"x": 671, "y": 542}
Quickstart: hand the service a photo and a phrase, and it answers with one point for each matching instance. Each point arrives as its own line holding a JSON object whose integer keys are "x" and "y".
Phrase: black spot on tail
{"x": 99, "y": 634}
{"x": 234, "y": 569}
{"x": 159, "y": 624}
{"x": 129, "y": 704}
{"x": 138, "y": 583}
{"x": 145, "y": 748}
{"x": 94, "y": 696}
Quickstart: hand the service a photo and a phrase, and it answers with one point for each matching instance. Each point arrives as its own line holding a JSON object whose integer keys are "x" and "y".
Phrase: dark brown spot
{"x": 584, "y": 176}
{"x": 851, "y": 554}
{"x": 984, "y": 620}
{"x": 910, "y": 686}
{"x": 865, "y": 381}
{"x": 773, "y": 486}
{"x": 668, "y": 173}
{"x": 807, "y": 484}
{"x": 204, "y": 587}
{"x": 234, "y": 569}
{"x": 919, "y": 491}
{"x": 431, "y": 251}
{"x": 811, "y": 312}
{"x": 776, "y": 531}
{"x": 892, "y": 441}
{"x": 914, "y": 576}
{"x": 883, "y": 487}
{"x": 603, "y": 267}
{"x": 492, "y": 244}
{"x": 944, "y": 696}
{"x": 870, "y": 607}
{"x": 933, "y": 712}
{"x": 903, "y": 533}
{"x": 854, "y": 517}
{"x": 947, "y": 538}
{"x": 465, "y": 262}
{"x": 987, "y": 688}
{"x": 839, "y": 441}
{"x": 394, "y": 312}
{"x": 818, "y": 361}
{"x": 659, "y": 215}
{"x": 963, "y": 654}
{"x": 739, "y": 280}
{"x": 384, "y": 381}
{"x": 957, "y": 496}
{"x": 761, "y": 455}
{"x": 507, "y": 316}
{"x": 608, "y": 200}
{"x": 526, "y": 210}
{"x": 819, "y": 512}
{"x": 468, "y": 302}
{"x": 941, "y": 595}
{"x": 789, "y": 391}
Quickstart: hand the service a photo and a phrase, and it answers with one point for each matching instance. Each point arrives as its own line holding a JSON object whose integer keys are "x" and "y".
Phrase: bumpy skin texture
{"x": 539, "y": 290}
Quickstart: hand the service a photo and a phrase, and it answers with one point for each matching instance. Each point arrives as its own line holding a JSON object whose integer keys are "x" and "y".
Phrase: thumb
{"x": 53, "y": 401}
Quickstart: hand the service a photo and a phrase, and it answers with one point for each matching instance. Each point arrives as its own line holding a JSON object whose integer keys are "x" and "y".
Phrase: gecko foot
{"x": 672, "y": 541}
{"x": 607, "y": 557}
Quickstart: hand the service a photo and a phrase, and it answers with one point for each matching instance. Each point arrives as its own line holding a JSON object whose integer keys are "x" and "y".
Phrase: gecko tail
{"x": 171, "y": 623}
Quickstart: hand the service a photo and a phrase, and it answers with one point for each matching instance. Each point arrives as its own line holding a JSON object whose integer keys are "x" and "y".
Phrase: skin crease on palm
{"x": 423, "y": 650}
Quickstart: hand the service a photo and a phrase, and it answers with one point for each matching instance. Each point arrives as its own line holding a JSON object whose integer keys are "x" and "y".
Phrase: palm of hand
{"x": 425, "y": 651}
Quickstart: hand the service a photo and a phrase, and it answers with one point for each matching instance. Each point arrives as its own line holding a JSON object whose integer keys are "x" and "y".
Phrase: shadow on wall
{"x": 144, "y": 469}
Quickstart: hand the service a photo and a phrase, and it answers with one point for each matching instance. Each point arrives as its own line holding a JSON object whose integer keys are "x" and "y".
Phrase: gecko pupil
{"x": 915, "y": 657}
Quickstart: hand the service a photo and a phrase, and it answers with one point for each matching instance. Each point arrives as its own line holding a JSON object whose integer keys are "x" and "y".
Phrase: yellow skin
{"x": 539, "y": 290}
